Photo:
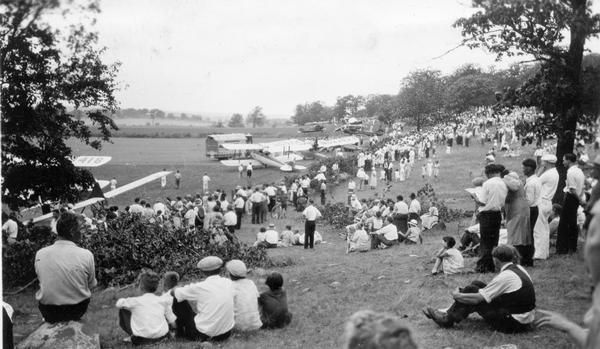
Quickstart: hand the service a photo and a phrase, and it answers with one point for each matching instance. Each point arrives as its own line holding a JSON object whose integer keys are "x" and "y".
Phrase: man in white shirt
{"x": 136, "y": 207}
{"x": 492, "y": 199}
{"x": 507, "y": 303}
{"x": 271, "y": 237}
{"x": 311, "y": 213}
{"x": 271, "y": 192}
{"x": 541, "y": 232}
{"x": 388, "y": 235}
{"x": 414, "y": 209}
{"x": 239, "y": 205}
{"x": 10, "y": 229}
{"x": 205, "y": 180}
{"x": 213, "y": 316}
{"x": 230, "y": 219}
{"x": 400, "y": 214}
{"x": 256, "y": 199}
{"x": 159, "y": 206}
{"x": 66, "y": 273}
{"x": 249, "y": 172}
{"x": 568, "y": 230}
{"x": 113, "y": 183}
{"x": 533, "y": 195}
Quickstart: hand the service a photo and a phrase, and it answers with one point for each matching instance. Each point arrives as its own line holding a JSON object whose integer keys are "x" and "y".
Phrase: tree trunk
{"x": 571, "y": 105}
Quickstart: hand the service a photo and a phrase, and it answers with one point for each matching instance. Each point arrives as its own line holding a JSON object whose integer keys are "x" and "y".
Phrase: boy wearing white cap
{"x": 245, "y": 299}
{"x": 213, "y": 301}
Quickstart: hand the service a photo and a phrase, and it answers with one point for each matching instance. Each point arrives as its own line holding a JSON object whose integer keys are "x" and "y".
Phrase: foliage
{"x": 421, "y": 96}
{"x": 383, "y": 107}
{"x": 427, "y": 198}
{"x": 471, "y": 90}
{"x": 129, "y": 244}
{"x": 336, "y": 215}
{"x": 237, "y": 120}
{"x": 540, "y": 29}
{"x": 256, "y": 117}
{"x": 44, "y": 71}
{"x": 348, "y": 106}
{"x": 311, "y": 112}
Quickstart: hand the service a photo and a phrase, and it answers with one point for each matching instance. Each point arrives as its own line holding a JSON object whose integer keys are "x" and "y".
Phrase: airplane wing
{"x": 102, "y": 183}
{"x": 240, "y": 146}
{"x": 243, "y": 162}
{"x": 91, "y": 161}
{"x": 338, "y": 142}
{"x": 135, "y": 184}
{"x": 287, "y": 146}
{"x": 110, "y": 194}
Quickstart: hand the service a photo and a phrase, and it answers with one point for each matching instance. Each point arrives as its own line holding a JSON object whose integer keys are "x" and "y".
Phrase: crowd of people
{"x": 513, "y": 226}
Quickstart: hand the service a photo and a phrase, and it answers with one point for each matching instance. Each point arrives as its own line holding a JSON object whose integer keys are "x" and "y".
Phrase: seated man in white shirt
{"x": 146, "y": 318}
{"x": 387, "y": 236}
{"x": 359, "y": 241}
{"x": 507, "y": 303}
{"x": 212, "y": 318}
{"x": 271, "y": 237}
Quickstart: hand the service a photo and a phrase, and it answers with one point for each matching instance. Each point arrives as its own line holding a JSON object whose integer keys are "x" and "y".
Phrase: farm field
{"x": 193, "y": 130}
{"x": 394, "y": 280}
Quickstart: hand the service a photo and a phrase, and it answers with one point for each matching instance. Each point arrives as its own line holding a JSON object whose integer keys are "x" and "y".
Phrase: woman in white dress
{"x": 402, "y": 170}
{"x": 373, "y": 180}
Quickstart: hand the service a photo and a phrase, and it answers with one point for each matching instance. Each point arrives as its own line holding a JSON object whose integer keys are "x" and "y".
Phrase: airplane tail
{"x": 97, "y": 191}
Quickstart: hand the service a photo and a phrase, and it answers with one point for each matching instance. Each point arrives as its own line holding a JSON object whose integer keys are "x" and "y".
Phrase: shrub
{"x": 336, "y": 215}
{"x": 128, "y": 245}
{"x": 427, "y": 198}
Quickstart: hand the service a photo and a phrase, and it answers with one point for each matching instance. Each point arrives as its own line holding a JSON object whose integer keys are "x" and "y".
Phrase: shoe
{"x": 439, "y": 318}
{"x": 426, "y": 312}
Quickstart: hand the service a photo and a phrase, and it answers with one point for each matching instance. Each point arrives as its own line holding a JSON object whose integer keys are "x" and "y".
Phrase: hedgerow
{"x": 128, "y": 245}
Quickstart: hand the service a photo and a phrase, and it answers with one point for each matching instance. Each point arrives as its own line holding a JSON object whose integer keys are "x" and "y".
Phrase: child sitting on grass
{"x": 413, "y": 234}
{"x": 146, "y": 318}
{"x": 245, "y": 297}
{"x": 448, "y": 260}
{"x": 287, "y": 237}
{"x": 273, "y": 303}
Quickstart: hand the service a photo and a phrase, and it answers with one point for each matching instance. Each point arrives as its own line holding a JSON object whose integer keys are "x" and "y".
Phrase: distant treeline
{"x": 144, "y": 113}
{"x": 200, "y": 132}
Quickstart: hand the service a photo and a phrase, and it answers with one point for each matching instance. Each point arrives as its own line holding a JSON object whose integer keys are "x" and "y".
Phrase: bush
{"x": 336, "y": 215}
{"x": 128, "y": 245}
{"x": 427, "y": 198}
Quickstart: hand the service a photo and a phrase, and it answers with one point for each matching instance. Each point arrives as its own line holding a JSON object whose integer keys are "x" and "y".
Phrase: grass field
{"x": 384, "y": 280}
{"x": 194, "y": 130}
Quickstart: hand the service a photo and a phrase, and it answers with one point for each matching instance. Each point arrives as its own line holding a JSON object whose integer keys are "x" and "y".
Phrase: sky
{"x": 224, "y": 56}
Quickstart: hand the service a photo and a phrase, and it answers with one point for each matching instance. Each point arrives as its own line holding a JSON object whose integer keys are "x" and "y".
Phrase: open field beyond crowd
{"x": 394, "y": 280}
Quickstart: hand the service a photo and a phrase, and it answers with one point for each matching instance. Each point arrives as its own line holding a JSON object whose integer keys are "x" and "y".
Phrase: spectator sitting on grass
{"x": 413, "y": 234}
{"x": 273, "y": 303}
{"x": 287, "y": 237}
{"x": 386, "y": 236}
{"x": 448, "y": 260}
{"x": 360, "y": 240}
{"x": 507, "y": 303}
{"x": 146, "y": 318}
{"x": 245, "y": 297}
{"x": 370, "y": 330}
{"x": 299, "y": 238}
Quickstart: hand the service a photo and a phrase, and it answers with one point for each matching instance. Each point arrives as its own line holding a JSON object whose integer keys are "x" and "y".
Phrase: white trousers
{"x": 541, "y": 231}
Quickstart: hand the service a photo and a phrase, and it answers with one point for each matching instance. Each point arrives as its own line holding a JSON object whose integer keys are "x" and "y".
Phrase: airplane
{"x": 283, "y": 154}
{"x": 98, "y": 196}
{"x": 356, "y": 126}
{"x": 311, "y": 127}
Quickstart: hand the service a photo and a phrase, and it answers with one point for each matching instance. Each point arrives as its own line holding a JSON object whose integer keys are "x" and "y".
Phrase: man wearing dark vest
{"x": 507, "y": 303}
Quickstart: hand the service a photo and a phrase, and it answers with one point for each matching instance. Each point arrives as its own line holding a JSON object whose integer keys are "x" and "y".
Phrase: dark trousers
{"x": 568, "y": 231}
{"x": 415, "y": 216}
{"x": 63, "y": 313}
{"x": 376, "y": 239}
{"x": 256, "y": 212}
{"x": 7, "y": 331}
{"x": 271, "y": 202}
{"x": 309, "y": 234}
{"x": 239, "y": 212}
{"x": 322, "y": 197}
{"x": 401, "y": 222}
{"x": 499, "y": 318}
{"x": 527, "y": 251}
{"x": 125, "y": 324}
{"x": 186, "y": 327}
{"x": 489, "y": 230}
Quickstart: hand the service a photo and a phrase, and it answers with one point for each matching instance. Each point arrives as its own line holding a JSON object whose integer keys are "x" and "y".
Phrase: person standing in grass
{"x": 568, "y": 230}
{"x": 163, "y": 180}
{"x": 491, "y": 201}
{"x": 507, "y": 303}
{"x": 177, "y": 179}
{"x": 146, "y": 318}
{"x": 311, "y": 214}
{"x": 541, "y": 232}
{"x": 205, "y": 181}
{"x": 113, "y": 183}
